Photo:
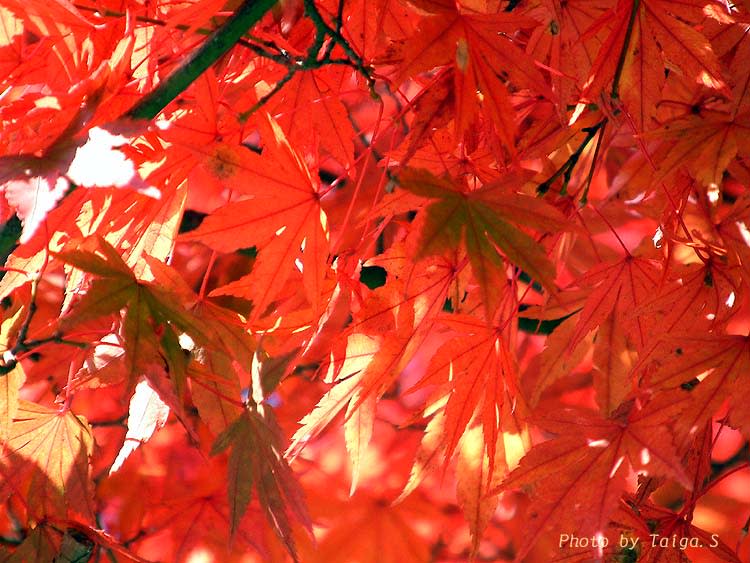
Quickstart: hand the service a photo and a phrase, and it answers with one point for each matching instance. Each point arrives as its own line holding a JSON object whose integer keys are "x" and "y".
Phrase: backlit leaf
{"x": 147, "y": 414}
{"x": 57, "y": 446}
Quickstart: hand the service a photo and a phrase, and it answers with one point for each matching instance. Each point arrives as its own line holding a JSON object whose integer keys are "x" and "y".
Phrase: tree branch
{"x": 217, "y": 44}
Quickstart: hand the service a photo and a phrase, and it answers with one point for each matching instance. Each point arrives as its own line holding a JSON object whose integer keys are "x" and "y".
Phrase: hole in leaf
{"x": 373, "y": 276}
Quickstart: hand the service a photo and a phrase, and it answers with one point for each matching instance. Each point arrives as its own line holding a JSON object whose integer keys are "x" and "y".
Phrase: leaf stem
{"x": 209, "y": 267}
{"x": 615, "y": 93}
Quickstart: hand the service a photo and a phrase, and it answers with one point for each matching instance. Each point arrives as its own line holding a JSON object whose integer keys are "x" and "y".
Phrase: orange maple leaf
{"x": 584, "y": 467}
{"x": 640, "y": 22}
{"x": 282, "y": 217}
{"x": 483, "y": 49}
{"x": 55, "y": 447}
{"x": 708, "y": 369}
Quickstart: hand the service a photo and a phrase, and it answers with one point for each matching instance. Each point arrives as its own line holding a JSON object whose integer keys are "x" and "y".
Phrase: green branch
{"x": 217, "y": 44}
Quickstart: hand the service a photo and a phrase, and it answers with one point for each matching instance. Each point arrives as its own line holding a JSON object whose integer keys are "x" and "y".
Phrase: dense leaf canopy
{"x": 374, "y": 280}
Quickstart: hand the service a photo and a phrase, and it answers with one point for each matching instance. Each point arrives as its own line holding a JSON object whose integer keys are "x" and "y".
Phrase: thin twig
{"x": 335, "y": 34}
{"x": 594, "y": 159}
{"x": 566, "y": 170}
{"x": 267, "y": 97}
{"x": 120, "y": 421}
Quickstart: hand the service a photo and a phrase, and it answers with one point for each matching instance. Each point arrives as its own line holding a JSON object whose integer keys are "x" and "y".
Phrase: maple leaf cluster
{"x": 392, "y": 280}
